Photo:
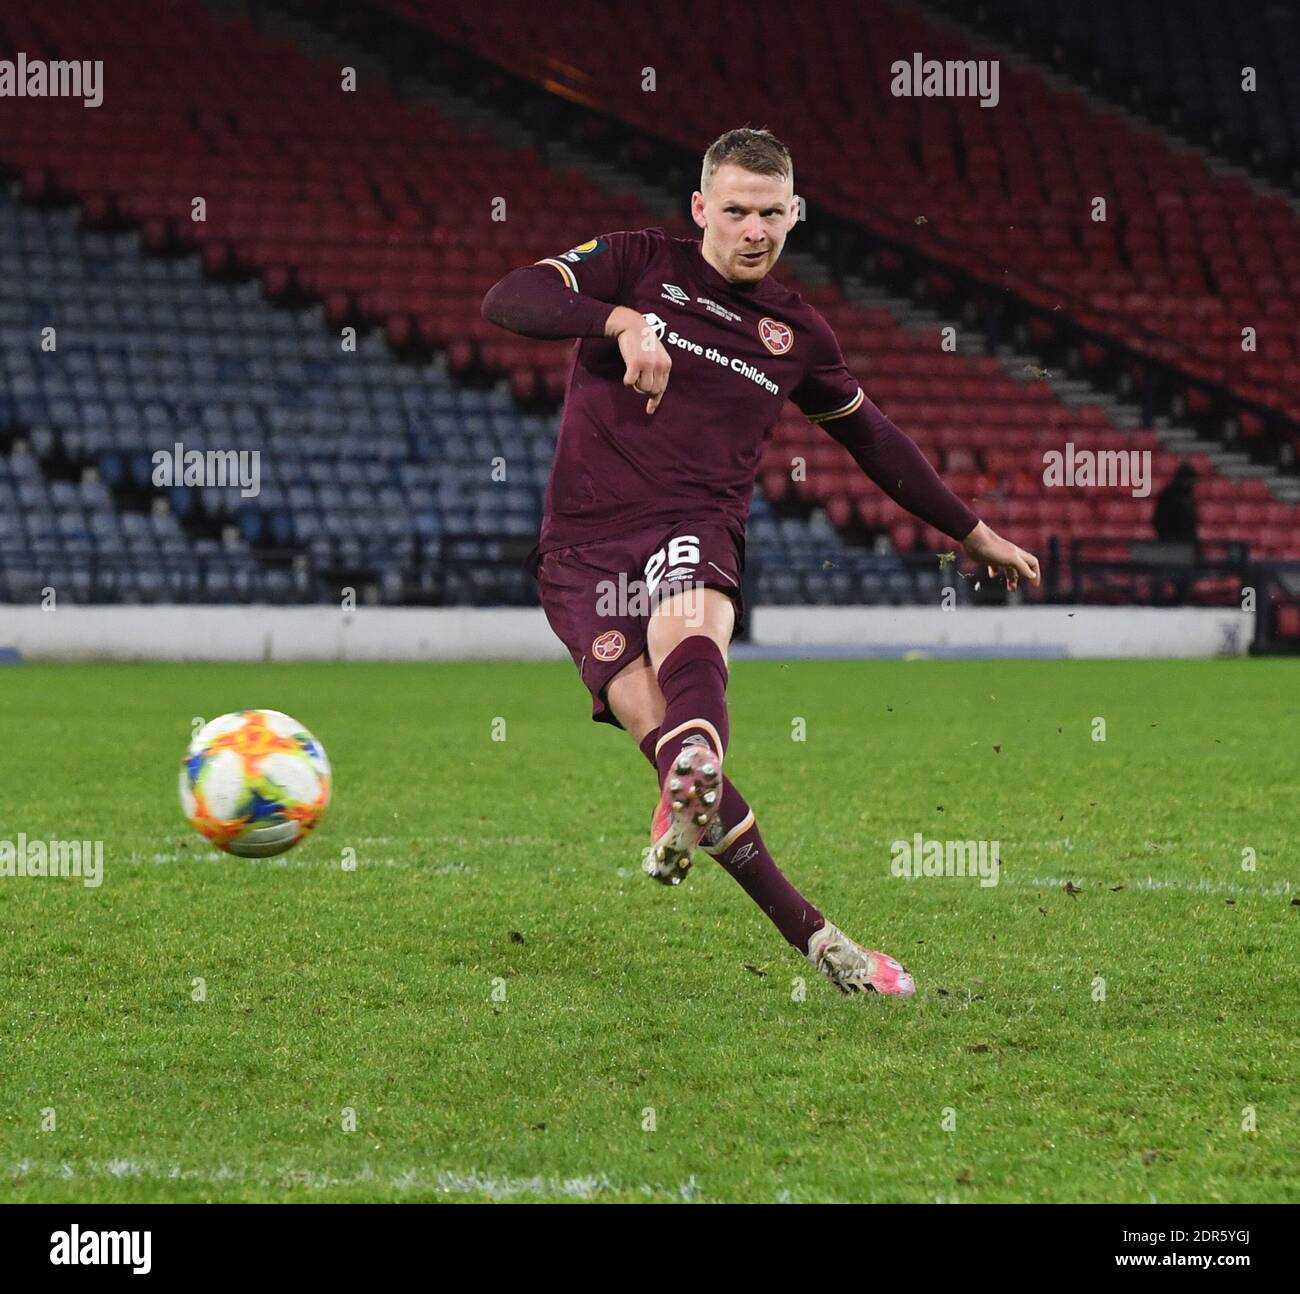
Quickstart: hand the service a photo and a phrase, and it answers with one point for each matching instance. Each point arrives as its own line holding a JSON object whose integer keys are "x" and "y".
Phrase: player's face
{"x": 745, "y": 218}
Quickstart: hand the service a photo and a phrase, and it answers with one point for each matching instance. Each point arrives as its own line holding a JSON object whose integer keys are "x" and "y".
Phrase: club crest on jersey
{"x": 777, "y": 337}
{"x": 609, "y": 646}
{"x": 584, "y": 251}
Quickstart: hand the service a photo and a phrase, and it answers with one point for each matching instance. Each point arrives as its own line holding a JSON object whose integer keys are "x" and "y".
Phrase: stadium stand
{"x": 358, "y": 210}
{"x": 372, "y": 471}
{"x": 1186, "y": 257}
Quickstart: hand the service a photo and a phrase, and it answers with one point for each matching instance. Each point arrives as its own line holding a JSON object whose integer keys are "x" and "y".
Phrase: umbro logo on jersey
{"x": 777, "y": 337}
{"x": 674, "y": 294}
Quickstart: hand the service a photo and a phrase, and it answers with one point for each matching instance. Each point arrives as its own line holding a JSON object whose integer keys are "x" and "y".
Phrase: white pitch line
{"x": 308, "y": 863}
{"x": 1278, "y": 889}
{"x": 495, "y": 1186}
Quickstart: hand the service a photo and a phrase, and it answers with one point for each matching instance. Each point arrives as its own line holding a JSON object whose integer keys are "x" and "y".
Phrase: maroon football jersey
{"x": 739, "y": 352}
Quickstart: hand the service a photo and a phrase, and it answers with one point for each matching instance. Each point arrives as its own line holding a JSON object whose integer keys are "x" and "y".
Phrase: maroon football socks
{"x": 693, "y": 679}
{"x": 737, "y": 845}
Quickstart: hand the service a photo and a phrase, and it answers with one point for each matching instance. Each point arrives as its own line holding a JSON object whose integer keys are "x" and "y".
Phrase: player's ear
{"x": 697, "y": 209}
{"x": 795, "y": 204}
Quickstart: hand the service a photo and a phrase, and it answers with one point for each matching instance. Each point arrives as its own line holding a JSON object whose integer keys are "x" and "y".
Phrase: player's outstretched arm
{"x": 893, "y": 461}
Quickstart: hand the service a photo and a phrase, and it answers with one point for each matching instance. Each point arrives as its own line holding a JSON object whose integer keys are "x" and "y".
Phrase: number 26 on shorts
{"x": 682, "y": 550}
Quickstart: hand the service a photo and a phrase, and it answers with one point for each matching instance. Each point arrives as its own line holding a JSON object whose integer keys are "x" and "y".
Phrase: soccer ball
{"x": 254, "y": 782}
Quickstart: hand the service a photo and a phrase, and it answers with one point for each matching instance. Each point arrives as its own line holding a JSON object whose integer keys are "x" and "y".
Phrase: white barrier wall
{"x": 1019, "y": 631}
{"x": 399, "y": 633}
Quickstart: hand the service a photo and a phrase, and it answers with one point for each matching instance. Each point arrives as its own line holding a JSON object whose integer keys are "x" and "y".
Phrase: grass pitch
{"x": 652, "y": 1044}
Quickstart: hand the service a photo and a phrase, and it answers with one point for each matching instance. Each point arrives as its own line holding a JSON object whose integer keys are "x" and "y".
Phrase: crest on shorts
{"x": 776, "y": 336}
{"x": 609, "y": 646}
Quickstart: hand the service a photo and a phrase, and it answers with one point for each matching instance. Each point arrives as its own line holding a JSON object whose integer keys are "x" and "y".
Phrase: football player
{"x": 686, "y": 353}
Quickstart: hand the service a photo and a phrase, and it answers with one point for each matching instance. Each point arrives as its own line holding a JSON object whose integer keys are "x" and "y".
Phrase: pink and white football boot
{"x": 855, "y": 969}
{"x": 688, "y": 807}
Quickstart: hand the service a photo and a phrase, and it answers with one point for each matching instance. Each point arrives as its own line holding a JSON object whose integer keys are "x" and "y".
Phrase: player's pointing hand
{"x": 1000, "y": 556}
{"x": 648, "y": 364}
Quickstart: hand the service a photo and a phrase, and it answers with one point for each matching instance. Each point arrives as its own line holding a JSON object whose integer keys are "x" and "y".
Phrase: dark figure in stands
{"x": 1176, "y": 508}
{"x": 1175, "y": 522}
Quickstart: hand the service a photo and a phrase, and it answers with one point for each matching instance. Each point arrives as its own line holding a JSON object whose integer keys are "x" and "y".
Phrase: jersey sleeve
{"x": 607, "y": 267}
{"x": 828, "y": 390}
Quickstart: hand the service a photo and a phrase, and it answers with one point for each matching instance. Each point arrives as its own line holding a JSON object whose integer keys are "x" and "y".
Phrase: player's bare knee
{"x": 691, "y": 611}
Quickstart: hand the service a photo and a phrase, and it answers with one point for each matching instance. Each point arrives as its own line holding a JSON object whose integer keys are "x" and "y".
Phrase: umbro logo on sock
{"x": 695, "y": 739}
{"x": 742, "y": 855}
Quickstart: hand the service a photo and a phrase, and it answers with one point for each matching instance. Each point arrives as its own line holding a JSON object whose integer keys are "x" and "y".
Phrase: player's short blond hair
{"x": 755, "y": 150}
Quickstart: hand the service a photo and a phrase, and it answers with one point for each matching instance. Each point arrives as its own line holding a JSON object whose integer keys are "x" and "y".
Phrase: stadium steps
{"x": 1079, "y": 392}
{"x": 1020, "y": 366}
{"x": 872, "y": 296}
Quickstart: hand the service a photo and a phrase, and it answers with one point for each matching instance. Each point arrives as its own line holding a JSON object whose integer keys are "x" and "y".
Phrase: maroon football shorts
{"x": 598, "y": 597}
